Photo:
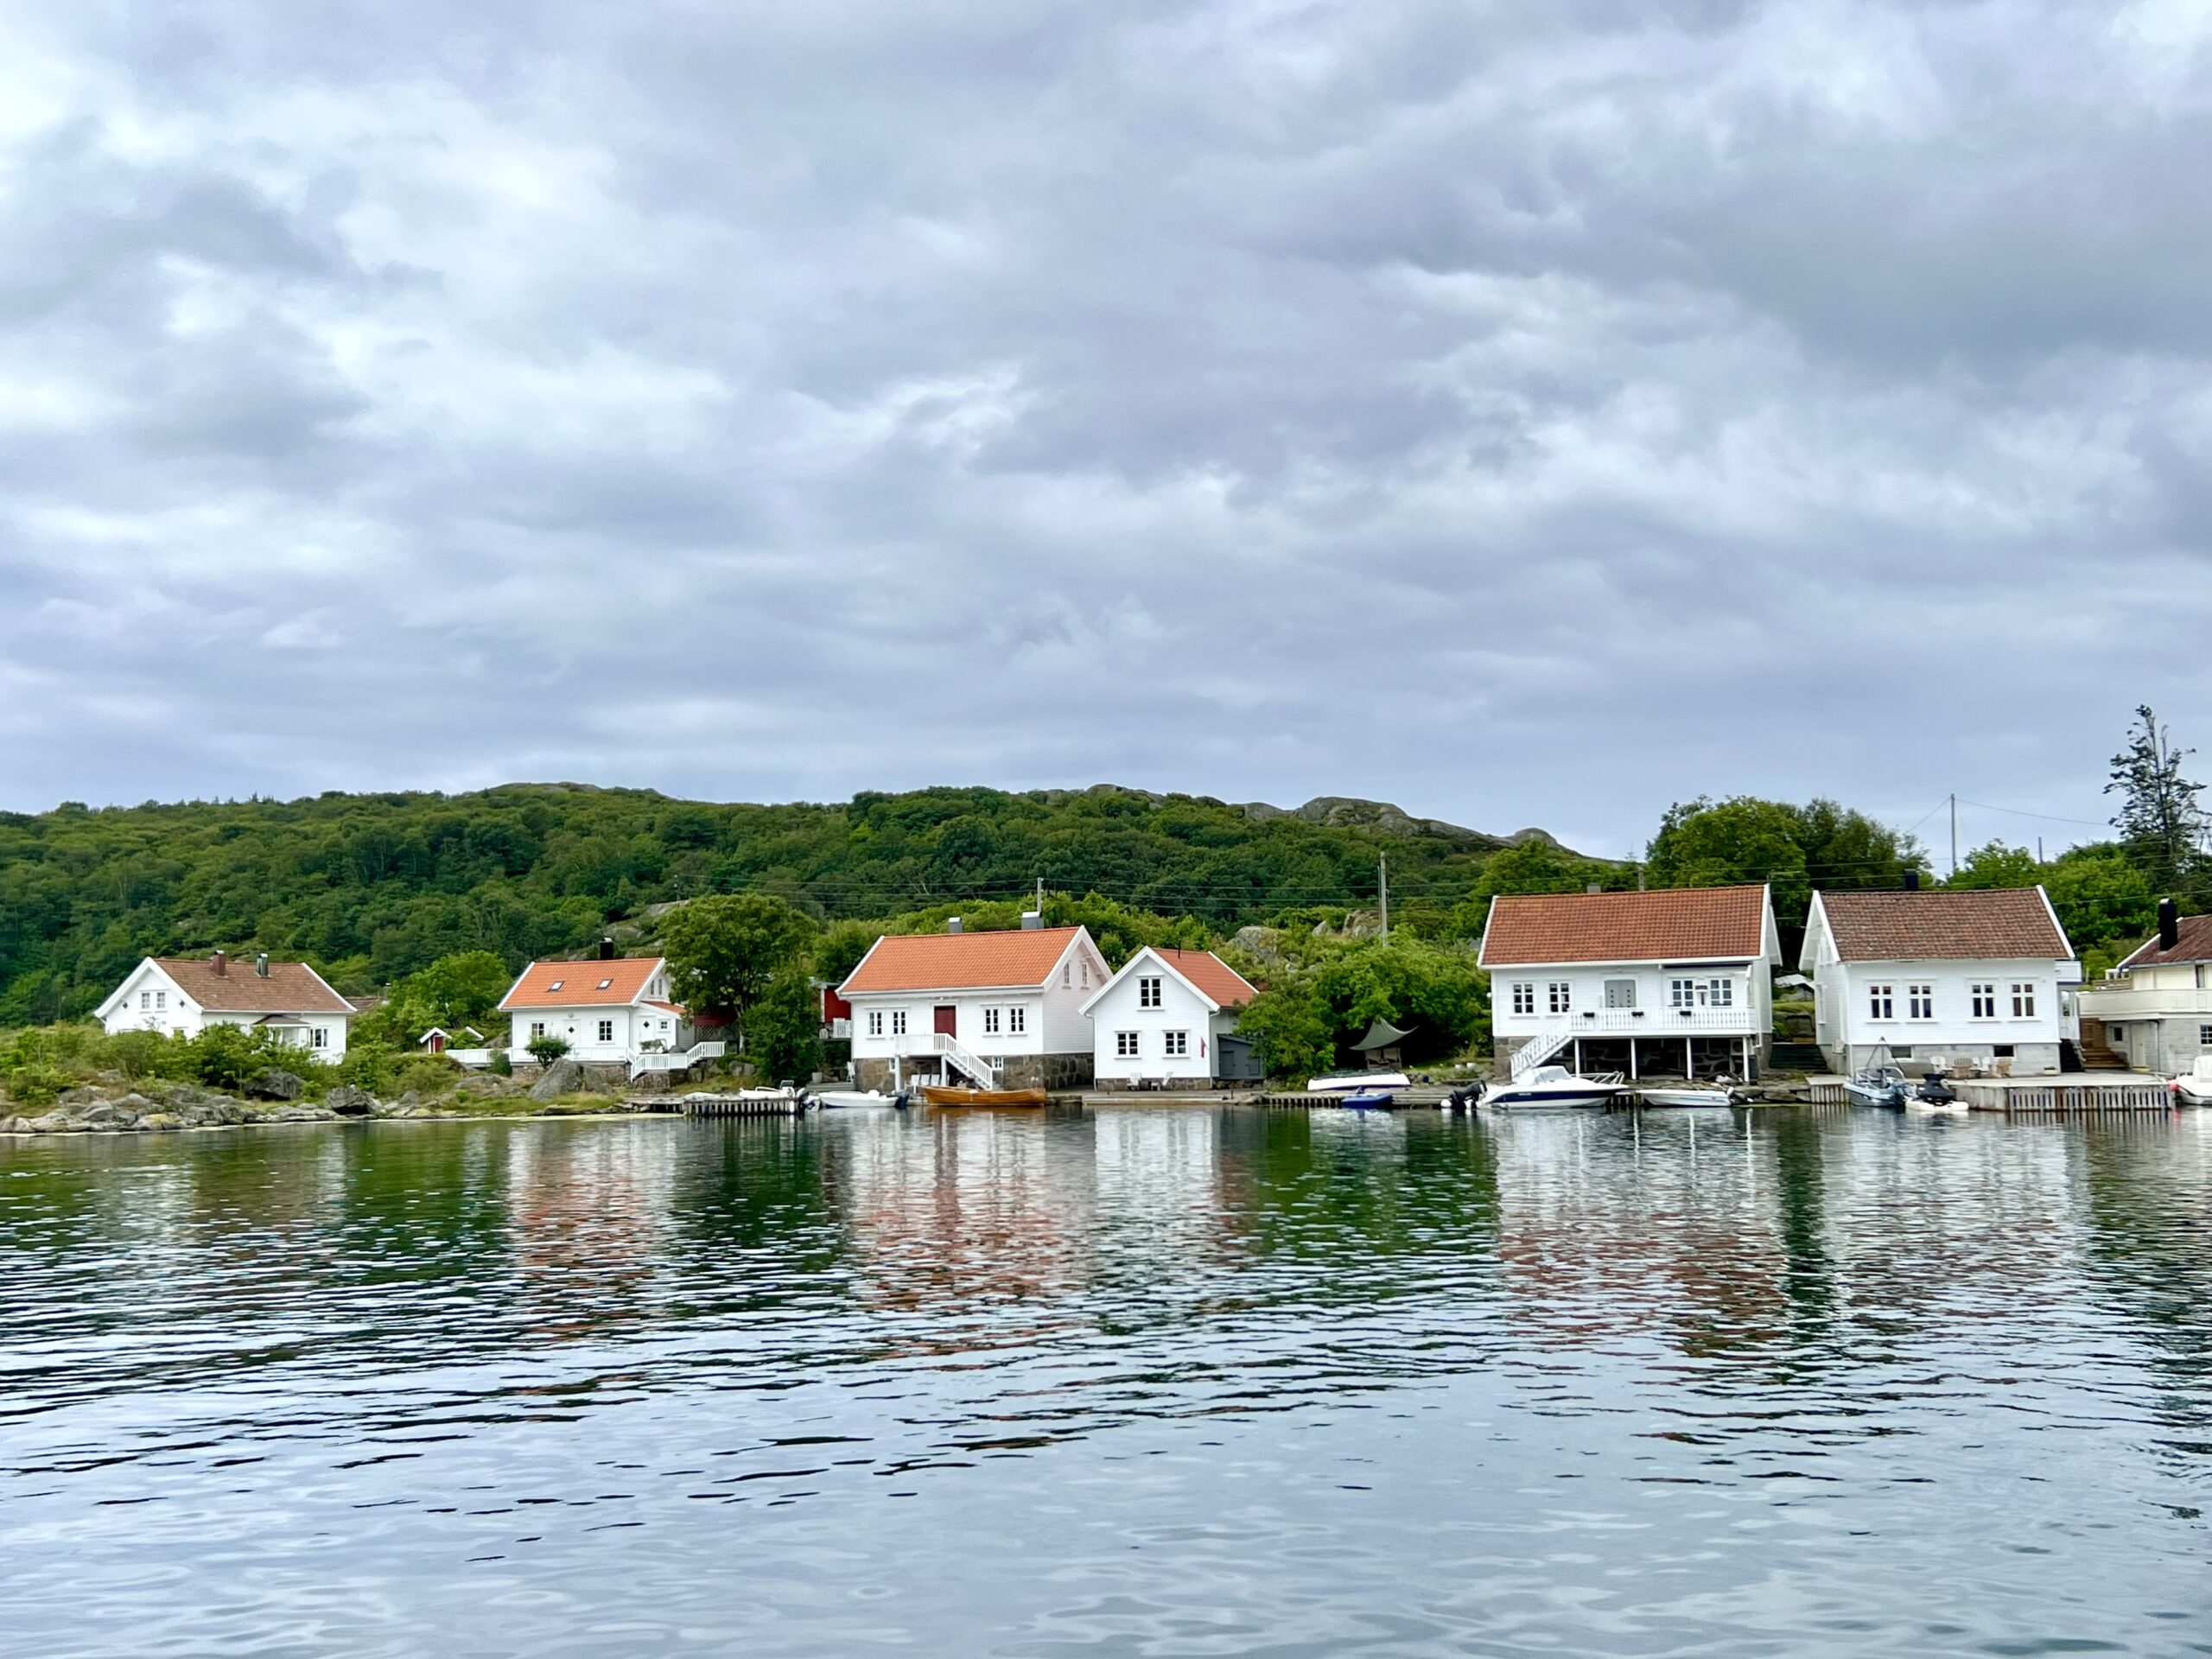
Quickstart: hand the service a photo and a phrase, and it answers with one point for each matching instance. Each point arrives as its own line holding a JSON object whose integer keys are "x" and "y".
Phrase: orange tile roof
{"x": 579, "y": 983}
{"x": 954, "y": 961}
{"x": 1213, "y": 976}
{"x": 290, "y": 986}
{"x": 1993, "y": 923}
{"x": 1672, "y": 924}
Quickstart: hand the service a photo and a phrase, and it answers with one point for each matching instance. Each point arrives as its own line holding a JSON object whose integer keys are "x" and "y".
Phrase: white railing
{"x": 978, "y": 1069}
{"x": 1540, "y": 1047}
{"x": 2121, "y": 1003}
{"x": 676, "y": 1060}
{"x": 1557, "y": 1031}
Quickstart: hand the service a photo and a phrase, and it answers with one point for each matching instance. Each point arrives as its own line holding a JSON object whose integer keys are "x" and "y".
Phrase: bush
{"x": 425, "y": 1074}
{"x": 369, "y": 1065}
{"x": 501, "y": 1066}
{"x": 545, "y": 1047}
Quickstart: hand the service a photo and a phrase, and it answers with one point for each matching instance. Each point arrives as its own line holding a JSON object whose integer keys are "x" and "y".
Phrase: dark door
{"x": 947, "y": 1021}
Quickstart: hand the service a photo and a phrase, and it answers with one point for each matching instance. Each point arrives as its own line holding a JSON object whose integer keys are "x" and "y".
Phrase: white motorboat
{"x": 851, "y": 1099}
{"x": 1554, "y": 1085}
{"x": 1687, "y": 1094}
{"x": 1357, "y": 1082}
{"x": 2193, "y": 1086}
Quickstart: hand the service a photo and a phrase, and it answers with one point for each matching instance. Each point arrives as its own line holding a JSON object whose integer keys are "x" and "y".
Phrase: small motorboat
{"x": 832, "y": 1100}
{"x": 1877, "y": 1085}
{"x": 1357, "y": 1082}
{"x": 1687, "y": 1094}
{"x": 1371, "y": 1100}
{"x": 2193, "y": 1086}
{"x": 1554, "y": 1085}
{"x": 939, "y": 1095}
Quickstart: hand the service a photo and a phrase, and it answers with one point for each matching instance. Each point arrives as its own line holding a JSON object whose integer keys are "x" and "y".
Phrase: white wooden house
{"x": 1001, "y": 1009}
{"x": 1943, "y": 976}
{"x": 1677, "y": 982}
{"x": 611, "y": 1011}
{"x": 289, "y": 1002}
{"x": 1169, "y": 1017}
{"x": 2154, "y": 1009}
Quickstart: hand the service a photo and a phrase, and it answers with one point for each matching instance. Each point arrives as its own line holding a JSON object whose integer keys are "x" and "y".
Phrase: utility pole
{"x": 1955, "y": 836}
{"x": 1383, "y": 885}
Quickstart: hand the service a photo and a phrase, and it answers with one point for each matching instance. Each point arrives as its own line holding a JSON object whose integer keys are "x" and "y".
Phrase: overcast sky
{"x": 1529, "y": 414}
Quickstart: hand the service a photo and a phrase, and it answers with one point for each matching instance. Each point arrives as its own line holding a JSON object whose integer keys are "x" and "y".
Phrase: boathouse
{"x": 996, "y": 1010}
{"x": 1169, "y": 1019}
{"x": 1677, "y": 982}
{"x": 1940, "y": 978}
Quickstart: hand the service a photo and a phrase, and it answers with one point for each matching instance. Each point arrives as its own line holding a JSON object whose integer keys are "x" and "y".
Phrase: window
{"x": 1920, "y": 1001}
{"x": 991, "y": 1022}
{"x": 2000, "y": 1051}
{"x": 2204, "y": 1036}
{"x": 1723, "y": 992}
{"x": 1881, "y": 1002}
{"x": 1562, "y": 997}
{"x": 898, "y": 1022}
{"x": 875, "y": 1022}
{"x": 1067, "y": 976}
{"x": 1985, "y": 1000}
{"x": 607, "y": 1031}
{"x": 556, "y": 985}
{"x": 2024, "y": 1000}
{"x": 1086, "y": 973}
{"x": 145, "y": 999}
{"x": 1620, "y": 993}
{"x": 1178, "y": 1043}
{"x": 604, "y": 984}
{"x": 537, "y": 1029}
{"x": 1524, "y": 998}
{"x": 322, "y": 1036}
{"x": 1125, "y": 1044}
{"x": 1681, "y": 993}
{"x": 664, "y": 1025}
{"x": 1902, "y": 1052}
{"x": 1149, "y": 992}
{"x": 161, "y": 999}
{"x": 1017, "y": 1020}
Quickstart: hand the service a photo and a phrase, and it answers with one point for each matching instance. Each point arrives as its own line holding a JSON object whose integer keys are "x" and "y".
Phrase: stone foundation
{"x": 1058, "y": 1072}
{"x": 2026, "y": 1060}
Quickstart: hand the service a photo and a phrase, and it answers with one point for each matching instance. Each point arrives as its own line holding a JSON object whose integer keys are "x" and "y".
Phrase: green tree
{"x": 784, "y": 1030}
{"x": 724, "y": 950}
{"x": 1706, "y": 844}
{"x": 1997, "y": 865}
{"x": 2102, "y": 897}
{"x": 461, "y": 990}
{"x": 545, "y": 1047}
{"x": 2160, "y": 820}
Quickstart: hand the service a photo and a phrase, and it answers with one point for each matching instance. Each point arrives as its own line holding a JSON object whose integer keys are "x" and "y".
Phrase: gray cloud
{"x": 1531, "y": 414}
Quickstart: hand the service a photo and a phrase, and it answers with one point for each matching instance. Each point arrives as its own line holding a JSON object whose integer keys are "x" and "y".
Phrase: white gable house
{"x": 1169, "y": 1017}
{"x": 287, "y": 1001}
{"x": 1674, "y": 983}
{"x": 1001, "y": 1009}
{"x": 611, "y": 1011}
{"x": 1951, "y": 977}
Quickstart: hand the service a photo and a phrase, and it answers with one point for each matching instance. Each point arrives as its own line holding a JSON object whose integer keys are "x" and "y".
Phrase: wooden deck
{"x": 699, "y": 1105}
{"x": 2065, "y": 1093}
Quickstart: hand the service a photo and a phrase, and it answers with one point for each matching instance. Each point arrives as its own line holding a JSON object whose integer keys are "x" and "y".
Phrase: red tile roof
{"x": 2194, "y": 944}
{"x": 290, "y": 986}
{"x": 1673, "y": 925}
{"x": 953, "y": 962}
{"x": 1214, "y": 977}
{"x": 577, "y": 984}
{"x": 1944, "y": 925}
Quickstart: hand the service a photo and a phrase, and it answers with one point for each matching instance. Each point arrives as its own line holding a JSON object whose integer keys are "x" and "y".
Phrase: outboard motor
{"x": 1463, "y": 1099}
{"x": 901, "y": 1101}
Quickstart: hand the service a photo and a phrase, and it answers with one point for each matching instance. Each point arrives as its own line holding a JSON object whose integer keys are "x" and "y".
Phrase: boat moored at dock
{"x": 1556, "y": 1086}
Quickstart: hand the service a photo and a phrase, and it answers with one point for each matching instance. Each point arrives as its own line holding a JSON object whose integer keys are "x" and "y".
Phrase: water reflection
{"x": 1899, "y": 1342}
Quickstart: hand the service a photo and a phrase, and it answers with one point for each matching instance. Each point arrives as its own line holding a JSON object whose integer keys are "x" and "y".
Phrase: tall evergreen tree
{"x": 2159, "y": 818}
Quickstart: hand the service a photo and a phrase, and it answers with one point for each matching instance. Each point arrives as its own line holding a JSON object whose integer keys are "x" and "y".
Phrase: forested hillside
{"x": 370, "y": 888}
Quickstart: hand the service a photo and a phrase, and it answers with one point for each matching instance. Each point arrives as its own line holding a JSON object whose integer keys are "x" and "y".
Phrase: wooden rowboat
{"x": 938, "y": 1094}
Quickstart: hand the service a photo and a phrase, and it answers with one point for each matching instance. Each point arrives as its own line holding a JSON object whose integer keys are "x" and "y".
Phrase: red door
{"x": 947, "y": 1021}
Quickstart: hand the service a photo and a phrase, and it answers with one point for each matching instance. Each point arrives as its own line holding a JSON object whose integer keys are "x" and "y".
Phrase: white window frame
{"x": 1017, "y": 1020}
{"x": 991, "y": 1022}
{"x": 1150, "y": 990}
{"x": 607, "y": 1031}
{"x": 1920, "y": 1001}
{"x": 321, "y": 1037}
{"x": 1525, "y": 996}
{"x": 875, "y": 1022}
{"x": 1681, "y": 993}
{"x": 2024, "y": 999}
{"x": 898, "y": 1023}
{"x": 1981, "y": 996}
{"x": 1176, "y": 1045}
{"x": 1721, "y": 991}
{"x": 1881, "y": 1001}
{"x": 1560, "y": 996}
{"x": 537, "y": 1029}
{"x": 1126, "y": 1045}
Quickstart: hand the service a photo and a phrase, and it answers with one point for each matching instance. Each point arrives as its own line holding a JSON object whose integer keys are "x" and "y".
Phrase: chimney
{"x": 220, "y": 964}
{"x": 2169, "y": 924}
{"x": 954, "y": 924}
{"x": 1912, "y": 880}
{"x": 261, "y": 964}
{"x": 606, "y": 949}
{"x": 1032, "y": 920}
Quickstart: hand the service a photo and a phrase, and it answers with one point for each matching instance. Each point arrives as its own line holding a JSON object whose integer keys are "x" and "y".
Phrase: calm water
{"x": 1151, "y": 1382}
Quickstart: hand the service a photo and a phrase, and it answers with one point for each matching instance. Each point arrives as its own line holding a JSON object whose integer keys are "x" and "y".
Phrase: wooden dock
{"x": 704, "y": 1105}
{"x": 2060, "y": 1095}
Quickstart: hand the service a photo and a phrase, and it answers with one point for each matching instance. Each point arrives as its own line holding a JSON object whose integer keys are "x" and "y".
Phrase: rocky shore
{"x": 112, "y": 1106}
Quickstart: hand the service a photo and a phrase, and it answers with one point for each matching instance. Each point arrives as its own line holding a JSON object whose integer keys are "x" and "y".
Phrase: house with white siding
{"x": 2154, "y": 1010}
{"x": 998, "y": 1010}
{"x": 1940, "y": 978}
{"x": 610, "y": 1010}
{"x": 1169, "y": 1017}
{"x": 1677, "y": 983}
{"x": 287, "y": 1001}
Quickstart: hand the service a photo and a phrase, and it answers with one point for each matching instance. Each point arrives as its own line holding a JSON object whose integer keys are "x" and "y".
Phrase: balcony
{"x": 1658, "y": 1022}
{"x": 2114, "y": 1000}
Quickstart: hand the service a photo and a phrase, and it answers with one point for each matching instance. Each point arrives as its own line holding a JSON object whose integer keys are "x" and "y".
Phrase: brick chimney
{"x": 219, "y": 963}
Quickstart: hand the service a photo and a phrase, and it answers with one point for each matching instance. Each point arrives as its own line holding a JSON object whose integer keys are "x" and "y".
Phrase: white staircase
{"x": 977, "y": 1069}
{"x": 1540, "y": 1047}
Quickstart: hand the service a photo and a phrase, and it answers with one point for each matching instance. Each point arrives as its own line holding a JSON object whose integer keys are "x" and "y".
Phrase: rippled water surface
{"x": 1157, "y": 1381}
